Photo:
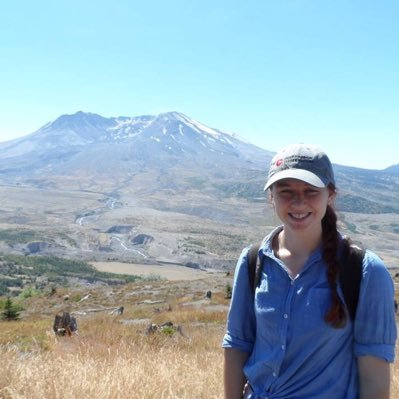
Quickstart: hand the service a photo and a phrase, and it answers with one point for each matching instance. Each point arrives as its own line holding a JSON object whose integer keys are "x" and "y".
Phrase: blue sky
{"x": 274, "y": 72}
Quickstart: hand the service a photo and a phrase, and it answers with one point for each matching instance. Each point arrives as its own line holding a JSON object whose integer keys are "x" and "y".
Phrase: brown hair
{"x": 336, "y": 316}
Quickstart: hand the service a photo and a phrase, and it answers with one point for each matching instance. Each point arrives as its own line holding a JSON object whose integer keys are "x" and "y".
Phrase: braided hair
{"x": 336, "y": 316}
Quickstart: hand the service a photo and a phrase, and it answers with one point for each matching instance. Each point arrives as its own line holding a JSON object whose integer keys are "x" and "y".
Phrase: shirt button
{"x": 285, "y": 316}
{"x": 283, "y": 347}
{"x": 274, "y": 374}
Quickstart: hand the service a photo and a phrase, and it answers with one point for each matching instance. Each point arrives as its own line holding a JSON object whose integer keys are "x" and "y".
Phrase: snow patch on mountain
{"x": 195, "y": 125}
{"x": 128, "y": 128}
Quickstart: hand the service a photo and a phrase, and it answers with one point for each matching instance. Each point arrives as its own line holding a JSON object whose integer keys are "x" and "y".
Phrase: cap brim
{"x": 299, "y": 174}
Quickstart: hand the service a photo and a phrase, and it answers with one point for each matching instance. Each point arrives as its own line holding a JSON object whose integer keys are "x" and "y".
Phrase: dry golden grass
{"x": 114, "y": 360}
{"x": 395, "y": 376}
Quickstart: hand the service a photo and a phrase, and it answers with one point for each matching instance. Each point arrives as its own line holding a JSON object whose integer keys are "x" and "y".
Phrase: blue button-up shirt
{"x": 293, "y": 352}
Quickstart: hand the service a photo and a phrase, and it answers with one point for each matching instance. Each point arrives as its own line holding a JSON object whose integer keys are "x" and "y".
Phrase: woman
{"x": 293, "y": 338}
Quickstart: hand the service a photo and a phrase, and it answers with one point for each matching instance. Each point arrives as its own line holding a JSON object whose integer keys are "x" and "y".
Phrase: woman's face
{"x": 299, "y": 205}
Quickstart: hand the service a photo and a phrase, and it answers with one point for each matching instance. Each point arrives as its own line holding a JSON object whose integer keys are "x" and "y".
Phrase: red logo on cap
{"x": 279, "y": 162}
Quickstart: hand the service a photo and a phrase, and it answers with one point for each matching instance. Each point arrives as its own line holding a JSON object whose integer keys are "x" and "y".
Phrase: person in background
{"x": 293, "y": 338}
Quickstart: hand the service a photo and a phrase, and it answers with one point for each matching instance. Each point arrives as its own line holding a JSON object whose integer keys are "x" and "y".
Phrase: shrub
{"x": 10, "y": 312}
{"x": 29, "y": 292}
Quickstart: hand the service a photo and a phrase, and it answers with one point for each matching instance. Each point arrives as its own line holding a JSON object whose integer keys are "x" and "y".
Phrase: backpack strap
{"x": 350, "y": 276}
{"x": 254, "y": 267}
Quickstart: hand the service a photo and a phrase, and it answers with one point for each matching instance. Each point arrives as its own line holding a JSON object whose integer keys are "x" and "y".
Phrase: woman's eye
{"x": 286, "y": 193}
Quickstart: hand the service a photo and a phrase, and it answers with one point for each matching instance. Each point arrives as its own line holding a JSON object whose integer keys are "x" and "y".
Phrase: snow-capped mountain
{"x": 165, "y": 151}
{"x": 172, "y": 131}
{"x": 94, "y": 144}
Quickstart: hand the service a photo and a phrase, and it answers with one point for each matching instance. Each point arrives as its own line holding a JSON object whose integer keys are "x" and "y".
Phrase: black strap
{"x": 350, "y": 276}
{"x": 254, "y": 267}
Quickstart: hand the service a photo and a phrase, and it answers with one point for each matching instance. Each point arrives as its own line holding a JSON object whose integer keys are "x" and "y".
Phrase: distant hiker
{"x": 296, "y": 332}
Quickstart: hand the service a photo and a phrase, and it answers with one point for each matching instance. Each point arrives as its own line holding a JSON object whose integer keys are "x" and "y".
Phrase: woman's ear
{"x": 331, "y": 197}
{"x": 271, "y": 198}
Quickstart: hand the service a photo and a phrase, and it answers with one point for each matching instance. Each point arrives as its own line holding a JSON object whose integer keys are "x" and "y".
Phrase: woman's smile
{"x": 299, "y": 216}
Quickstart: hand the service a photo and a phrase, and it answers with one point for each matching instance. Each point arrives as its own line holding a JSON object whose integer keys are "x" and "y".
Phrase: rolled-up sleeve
{"x": 375, "y": 329}
{"x": 240, "y": 329}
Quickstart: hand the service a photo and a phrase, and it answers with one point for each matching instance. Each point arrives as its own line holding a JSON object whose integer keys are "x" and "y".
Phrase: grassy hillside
{"x": 113, "y": 357}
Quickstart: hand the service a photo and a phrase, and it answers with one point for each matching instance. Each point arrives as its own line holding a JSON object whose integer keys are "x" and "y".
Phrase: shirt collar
{"x": 267, "y": 246}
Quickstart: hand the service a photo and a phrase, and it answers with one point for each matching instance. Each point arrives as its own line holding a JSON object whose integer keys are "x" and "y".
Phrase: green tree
{"x": 10, "y": 312}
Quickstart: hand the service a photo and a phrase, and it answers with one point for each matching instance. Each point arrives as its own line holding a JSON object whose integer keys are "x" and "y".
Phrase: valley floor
{"x": 168, "y": 272}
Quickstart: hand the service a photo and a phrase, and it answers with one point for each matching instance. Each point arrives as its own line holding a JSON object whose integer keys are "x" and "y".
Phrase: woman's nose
{"x": 298, "y": 198}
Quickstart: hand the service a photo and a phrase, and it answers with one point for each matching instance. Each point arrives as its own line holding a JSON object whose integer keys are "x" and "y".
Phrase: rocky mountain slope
{"x": 88, "y": 151}
{"x": 90, "y": 143}
{"x": 86, "y": 186}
